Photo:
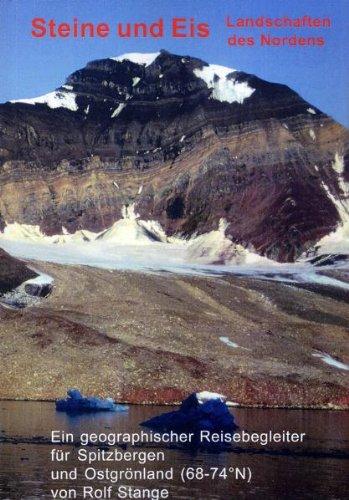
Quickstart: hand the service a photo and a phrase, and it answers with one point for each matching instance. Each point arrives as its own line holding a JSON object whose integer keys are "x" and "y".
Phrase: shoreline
{"x": 238, "y": 406}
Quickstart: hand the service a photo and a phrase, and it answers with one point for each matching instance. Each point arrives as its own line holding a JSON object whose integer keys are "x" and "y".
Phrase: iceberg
{"x": 203, "y": 411}
{"x": 77, "y": 403}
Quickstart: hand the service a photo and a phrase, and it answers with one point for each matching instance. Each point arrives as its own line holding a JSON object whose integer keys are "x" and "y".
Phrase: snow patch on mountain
{"x": 311, "y": 111}
{"x": 131, "y": 231}
{"x": 228, "y": 342}
{"x": 338, "y": 240}
{"x": 338, "y": 167}
{"x": 329, "y": 360}
{"x": 342, "y": 203}
{"x": 335, "y": 242}
{"x": 224, "y": 87}
{"x": 138, "y": 58}
{"x": 312, "y": 134}
{"x": 215, "y": 248}
{"x": 118, "y": 110}
{"x": 41, "y": 279}
{"x": 82, "y": 235}
{"x": 127, "y": 232}
{"x": 16, "y": 231}
{"x": 154, "y": 228}
{"x": 56, "y": 99}
{"x": 27, "y": 232}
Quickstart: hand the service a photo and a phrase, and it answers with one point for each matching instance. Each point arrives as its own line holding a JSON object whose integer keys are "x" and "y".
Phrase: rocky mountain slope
{"x": 187, "y": 142}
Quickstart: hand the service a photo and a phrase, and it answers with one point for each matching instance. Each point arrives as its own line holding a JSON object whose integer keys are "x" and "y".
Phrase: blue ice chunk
{"x": 196, "y": 415}
{"x": 77, "y": 403}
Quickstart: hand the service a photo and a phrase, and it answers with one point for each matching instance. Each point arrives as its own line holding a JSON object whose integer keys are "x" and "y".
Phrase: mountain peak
{"x": 142, "y": 58}
{"x": 134, "y": 76}
{"x": 189, "y": 142}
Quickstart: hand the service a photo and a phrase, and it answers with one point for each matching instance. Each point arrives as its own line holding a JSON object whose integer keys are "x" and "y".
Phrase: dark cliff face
{"x": 260, "y": 162}
{"x": 13, "y": 272}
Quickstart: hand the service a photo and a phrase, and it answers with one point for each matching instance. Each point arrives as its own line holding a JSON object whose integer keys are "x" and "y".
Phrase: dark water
{"x": 316, "y": 469}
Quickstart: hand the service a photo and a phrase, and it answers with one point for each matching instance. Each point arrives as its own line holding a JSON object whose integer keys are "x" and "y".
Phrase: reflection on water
{"x": 315, "y": 469}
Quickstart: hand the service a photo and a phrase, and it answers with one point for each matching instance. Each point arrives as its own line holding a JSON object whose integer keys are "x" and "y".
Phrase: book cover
{"x": 174, "y": 249}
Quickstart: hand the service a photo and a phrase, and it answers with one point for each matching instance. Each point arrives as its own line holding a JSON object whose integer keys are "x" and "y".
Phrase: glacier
{"x": 142, "y": 245}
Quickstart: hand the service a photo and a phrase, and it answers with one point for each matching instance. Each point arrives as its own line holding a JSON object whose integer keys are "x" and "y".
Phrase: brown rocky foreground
{"x": 145, "y": 338}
